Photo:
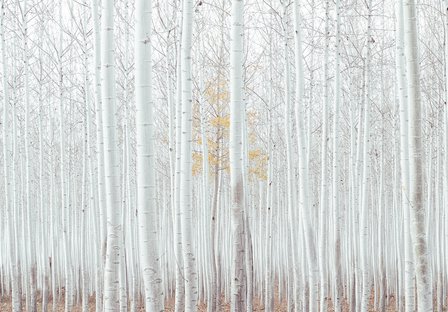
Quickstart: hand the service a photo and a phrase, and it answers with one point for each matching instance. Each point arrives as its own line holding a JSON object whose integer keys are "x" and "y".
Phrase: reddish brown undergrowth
{"x": 279, "y": 305}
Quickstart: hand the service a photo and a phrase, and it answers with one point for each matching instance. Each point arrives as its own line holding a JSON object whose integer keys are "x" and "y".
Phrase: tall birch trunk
{"x": 188, "y": 248}
{"x": 15, "y": 294}
{"x": 101, "y": 184}
{"x": 365, "y": 245}
{"x": 409, "y": 280}
{"x": 291, "y": 190}
{"x": 180, "y": 283}
{"x": 269, "y": 280}
{"x": 63, "y": 180}
{"x": 111, "y": 161}
{"x": 304, "y": 206}
{"x": 444, "y": 235}
{"x": 337, "y": 208}
{"x": 147, "y": 212}
{"x": 418, "y": 215}
{"x": 238, "y": 274}
{"x": 323, "y": 240}
{"x": 30, "y": 215}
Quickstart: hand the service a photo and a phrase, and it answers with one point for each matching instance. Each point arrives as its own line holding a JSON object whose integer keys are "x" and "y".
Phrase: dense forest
{"x": 224, "y": 155}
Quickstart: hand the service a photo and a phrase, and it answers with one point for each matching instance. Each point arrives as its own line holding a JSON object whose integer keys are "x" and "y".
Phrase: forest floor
{"x": 279, "y": 306}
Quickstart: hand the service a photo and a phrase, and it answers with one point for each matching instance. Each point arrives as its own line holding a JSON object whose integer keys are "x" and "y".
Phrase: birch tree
{"x": 238, "y": 296}
{"x": 365, "y": 173}
{"x": 188, "y": 254}
{"x": 404, "y": 163}
{"x": 111, "y": 160}
{"x": 145, "y": 160}
{"x": 15, "y": 293}
{"x": 101, "y": 186}
{"x": 308, "y": 232}
{"x": 418, "y": 235}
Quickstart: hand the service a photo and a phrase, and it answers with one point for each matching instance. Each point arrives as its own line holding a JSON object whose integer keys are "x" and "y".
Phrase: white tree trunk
{"x": 409, "y": 281}
{"x": 304, "y": 206}
{"x": 269, "y": 280}
{"x": 188, "y": 248}
{"x": 418, "y": 217}
{"x": 238, "y": 278}
{"x": 337, "y": 208}
{"x": 180, "y": 283}
{"x": 444, "y": 238}
{"x": 365, "y": 244}
{"x": 291, "y": 193}
{"x": 30, "y": 242}
{"x": 323, "y": 240}
{"x": 16, "y": 303}
{"x": 147, "y": 212}
{"x": 101, "y": 183}
{"x": 111, "y": 161}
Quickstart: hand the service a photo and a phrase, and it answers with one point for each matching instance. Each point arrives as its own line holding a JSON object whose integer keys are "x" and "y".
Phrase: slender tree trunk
{"x": 238, "y": 291}
{"x": 409, "y": 281}
{"x": 291, "y": 190}
{"x": 268, "y": 276}
{"x": 365, "y": 264}
{"x": 269, "y": 280}
{"x": 188, "y": 248}
{"x": 147, "y": 212}
{"x": 304, "y": 206}
{"x": 337, "y": 208}
{"x": 180, "y": 283}
{"x": 444, "y": 236}
{"x": 247, "y": 217}
{"x": 101, "y": 184}
{"x": 111, "y": 162}
{"x": 30, "y": 215}
{"x": 418, "y": 235}
{"x": 16, "y": 300}
{"x": 323, "y": 239}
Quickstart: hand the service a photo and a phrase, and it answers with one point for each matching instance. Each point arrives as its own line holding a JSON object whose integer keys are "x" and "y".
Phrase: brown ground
{"x": 280, "y": 306}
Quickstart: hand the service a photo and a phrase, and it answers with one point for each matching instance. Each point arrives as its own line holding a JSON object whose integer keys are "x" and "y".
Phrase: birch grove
{"x": 242, "y": 155}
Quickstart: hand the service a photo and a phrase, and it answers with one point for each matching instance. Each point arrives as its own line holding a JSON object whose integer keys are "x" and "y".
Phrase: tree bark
{"x": 147, "y": 212}
{"x": 418, "y": 215}
{"x": 238, "y": 277}
{"x": 111, "y": 161}
{"x": 188, "y": 248}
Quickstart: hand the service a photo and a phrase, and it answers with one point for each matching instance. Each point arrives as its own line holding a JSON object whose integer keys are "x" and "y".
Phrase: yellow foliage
{"x": 254, "y": 154}
{"x": 197, "y": 163}
{"x": 221, "y": 121}
{"x": 251, "y": 116}
{"x": 258, "y": 164}
{"x": 258, "y": 172}
{"x": 212, "y": 144}
{"x": 212, "y": 159}
{"x": 217, "y": 92}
